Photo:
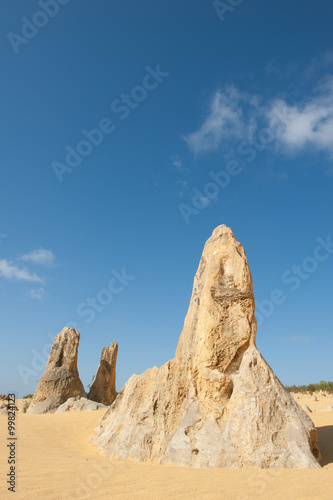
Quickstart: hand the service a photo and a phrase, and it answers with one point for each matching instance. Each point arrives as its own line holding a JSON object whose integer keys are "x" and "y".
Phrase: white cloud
{"x": 224, "y": 119}
{"x": 40, "y": 256}
{"x": 301, "y": 339}
{"x": 10, "y": 271}
{"x": 237, "y": 115}
{"x": 177, "y": 162}
{"x": 309, "y": 123}
{"x": 37, "y": 293}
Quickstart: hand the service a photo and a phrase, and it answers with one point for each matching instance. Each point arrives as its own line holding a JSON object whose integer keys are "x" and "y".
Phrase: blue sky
{"x": 129, "y": 131}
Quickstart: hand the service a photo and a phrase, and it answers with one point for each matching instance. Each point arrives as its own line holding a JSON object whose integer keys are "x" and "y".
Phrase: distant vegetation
{"x": 28, "y": 396}
{"x": 321, "y": 386}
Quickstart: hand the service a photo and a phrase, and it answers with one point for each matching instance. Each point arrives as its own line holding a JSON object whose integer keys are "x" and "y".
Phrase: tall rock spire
{"x": 60, "y": 379}
{"x": 103, "y": 389}
{"x": 217, "y": 403}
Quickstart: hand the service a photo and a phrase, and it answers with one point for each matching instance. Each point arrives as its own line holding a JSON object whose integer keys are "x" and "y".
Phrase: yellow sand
{"x": 57, "y": 461}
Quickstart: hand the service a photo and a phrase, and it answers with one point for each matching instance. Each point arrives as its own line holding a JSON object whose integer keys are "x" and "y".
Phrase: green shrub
{"x": 321, "y": 386}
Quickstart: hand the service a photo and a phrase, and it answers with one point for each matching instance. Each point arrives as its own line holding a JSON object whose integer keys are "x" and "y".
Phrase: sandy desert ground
{"x": 57, "y": 461}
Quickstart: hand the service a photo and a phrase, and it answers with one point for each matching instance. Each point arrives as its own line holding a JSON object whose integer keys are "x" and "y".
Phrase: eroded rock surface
{"x": 217, "y": 403}
{"x": 60, "y": 379}
{"x": 79, "y": 404}
{"x": 103, "y": 389}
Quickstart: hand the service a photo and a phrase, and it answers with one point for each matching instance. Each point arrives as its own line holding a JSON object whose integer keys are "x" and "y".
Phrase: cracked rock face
{"x": 217, "y": 403}
{"x": 103, "y": 389}
{"x": 60, "y": 379}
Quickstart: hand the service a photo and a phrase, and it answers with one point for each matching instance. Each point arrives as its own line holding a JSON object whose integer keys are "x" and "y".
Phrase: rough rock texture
{"x": 217, "y": 403}
{"x": 60, "y": 379}
{"x": 103, "y": 389}
{"x": 79, "y": 404}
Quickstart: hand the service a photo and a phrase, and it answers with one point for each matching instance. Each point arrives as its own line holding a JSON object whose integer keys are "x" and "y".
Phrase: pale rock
{"x": 217, "y": 403}
{"x": 103, "y": 389}
{"x": 60, "y": 379}
{"x": 79, "y": 404}
{"x": 307, "y": 409}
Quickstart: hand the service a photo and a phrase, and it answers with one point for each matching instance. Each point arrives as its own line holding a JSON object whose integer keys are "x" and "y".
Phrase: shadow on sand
{"x": 325, "y": 441}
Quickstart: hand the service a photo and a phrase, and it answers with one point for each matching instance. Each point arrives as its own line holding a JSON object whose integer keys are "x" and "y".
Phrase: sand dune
{"x": 57, "y": 461}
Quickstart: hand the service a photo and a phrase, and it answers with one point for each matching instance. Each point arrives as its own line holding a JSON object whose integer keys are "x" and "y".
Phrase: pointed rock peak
{"x": 64, "y": 349}
{"x": 222, "y": 230}
{"x": 217, "y": 403}
{"x": 60, "y": 379}
{"x": 103, "y": 389}
{"x": 220, "y": 322}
